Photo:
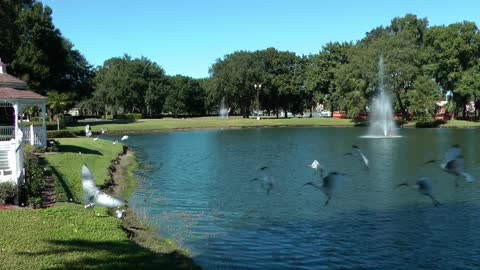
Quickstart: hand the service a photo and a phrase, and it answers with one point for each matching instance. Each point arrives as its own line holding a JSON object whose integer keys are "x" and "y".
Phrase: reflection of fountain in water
{"x": 223, "y": 112}
{"x": 380, "y": 117}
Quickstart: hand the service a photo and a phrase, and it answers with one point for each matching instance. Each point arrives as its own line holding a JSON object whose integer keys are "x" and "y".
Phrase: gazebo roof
{"x": 10, "y": 93}
{"x": 9, "y": 79}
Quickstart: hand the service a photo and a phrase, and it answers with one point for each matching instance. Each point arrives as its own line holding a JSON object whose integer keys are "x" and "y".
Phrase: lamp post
{"x": 257, "y": 87}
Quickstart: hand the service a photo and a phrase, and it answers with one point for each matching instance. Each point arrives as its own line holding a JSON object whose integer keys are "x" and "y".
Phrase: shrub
{"x": 129, "y": 116}
{"x": 34, "y": 177}
{"x": 52, "y": 146}
{"x": 60, "y": 134}
{"x": 429, "y": 124}
{"x": 51, "y": 125}
{"x": 8, "y": 191}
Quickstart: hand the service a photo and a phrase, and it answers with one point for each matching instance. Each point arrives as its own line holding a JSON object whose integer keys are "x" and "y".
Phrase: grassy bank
{"x": 69, "y": 236}
{"x": 165, "y": 124}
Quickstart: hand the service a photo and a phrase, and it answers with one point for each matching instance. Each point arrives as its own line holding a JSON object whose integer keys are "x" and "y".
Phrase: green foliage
{"x": 60, "y": 134}
{"x": 428, "y": 123}
{"x": 34, "y": 177}
{"x": 57, "y": 104}
{"x": 50, "y": 125}
{"x": 8, "y": 191}
{"x": 125, "y": 84}
{"x": 129, "y": 116}
{"x": 184, "y": 97}
{"x": 422, "y": 99}
{"x": 37, "y": 51}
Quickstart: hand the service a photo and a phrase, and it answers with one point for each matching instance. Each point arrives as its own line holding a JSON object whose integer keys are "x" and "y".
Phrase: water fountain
{"x": 382, "y": 124}
{"x": 223, "y": 112}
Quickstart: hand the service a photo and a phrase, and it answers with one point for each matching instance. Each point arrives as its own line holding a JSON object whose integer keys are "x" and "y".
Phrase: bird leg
{"x": 434, "y": 201}
{"x": 328, "y": 200}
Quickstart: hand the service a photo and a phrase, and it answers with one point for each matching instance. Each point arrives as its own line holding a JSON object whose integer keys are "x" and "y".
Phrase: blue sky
{"x": 187, "y": 36}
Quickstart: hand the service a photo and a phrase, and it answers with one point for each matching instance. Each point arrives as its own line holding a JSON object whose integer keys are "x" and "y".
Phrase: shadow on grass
{"x": 100, "y": 122}
{"x": 64, "y": 185}
{"x": 76, "y": 149}
{"x": 115, "y": 255}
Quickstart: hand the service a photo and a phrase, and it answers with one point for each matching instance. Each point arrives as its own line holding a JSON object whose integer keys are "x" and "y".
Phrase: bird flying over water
{"x": 93, "y": 196}
{"x": 454, "y": 163}
{"x": 424, "y": 187}
{"x": 124, "y": 138}
{"x": 329, "y": 184}
{"x": 267, "y": 181}
{"x": 357, "y": 153}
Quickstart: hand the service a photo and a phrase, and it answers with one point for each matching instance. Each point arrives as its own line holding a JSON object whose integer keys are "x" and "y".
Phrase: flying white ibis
{"x": 93, "y": 196}
{"x": 424, "y": 187}
{"x": 454, "y": 163}
{"x": 317, "y": 167}
{"x": 357, "y": 153}
{"x": 329, "y": 184}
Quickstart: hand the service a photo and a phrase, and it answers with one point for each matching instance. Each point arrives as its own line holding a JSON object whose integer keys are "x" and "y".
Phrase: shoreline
{"x": 136, "y": 229}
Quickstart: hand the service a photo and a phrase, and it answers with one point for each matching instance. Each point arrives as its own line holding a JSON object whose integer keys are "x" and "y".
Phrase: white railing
{"x": 7, "y": 133}
{"x": 33, "y": 135}
{"x": 15, "y": 163}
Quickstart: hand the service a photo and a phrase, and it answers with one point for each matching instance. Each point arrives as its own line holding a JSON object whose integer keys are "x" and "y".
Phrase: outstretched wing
{"x": 360, "y": 155}
{"x": 452, "y": 153}
{"x": 88, "y": 185}
{"x": 108, "y": 201}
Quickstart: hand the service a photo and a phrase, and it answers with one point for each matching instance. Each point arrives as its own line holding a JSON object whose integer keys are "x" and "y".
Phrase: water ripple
{"x": 196, "y": 187}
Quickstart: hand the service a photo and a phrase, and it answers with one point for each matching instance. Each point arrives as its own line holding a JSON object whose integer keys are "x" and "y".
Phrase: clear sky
{"x": 187, "y": 36}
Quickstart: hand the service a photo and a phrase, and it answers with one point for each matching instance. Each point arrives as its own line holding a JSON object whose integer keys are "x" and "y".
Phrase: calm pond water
{"x": 196, "y": 187}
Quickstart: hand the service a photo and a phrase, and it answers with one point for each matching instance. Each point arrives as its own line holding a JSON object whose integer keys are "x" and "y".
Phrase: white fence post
{"x": 32, "y": 135}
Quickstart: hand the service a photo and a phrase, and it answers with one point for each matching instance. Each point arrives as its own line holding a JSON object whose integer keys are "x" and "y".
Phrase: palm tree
{"x": 57, "y": 104}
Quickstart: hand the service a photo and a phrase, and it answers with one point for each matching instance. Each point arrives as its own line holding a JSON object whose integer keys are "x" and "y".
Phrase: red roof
{"x": 7, "y": 78}
{"x": 10, "y": 93}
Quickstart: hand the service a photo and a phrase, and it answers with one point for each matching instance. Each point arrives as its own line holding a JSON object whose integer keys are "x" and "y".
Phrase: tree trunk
{"x": 400, "y": 103}
{"x": 286, "y": 113}
{"x": 311, "y": 112}
{"x": 58, "y": 122}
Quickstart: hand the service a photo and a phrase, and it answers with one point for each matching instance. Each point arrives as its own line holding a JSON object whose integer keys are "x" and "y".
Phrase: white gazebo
{"x": 14, "y": 133}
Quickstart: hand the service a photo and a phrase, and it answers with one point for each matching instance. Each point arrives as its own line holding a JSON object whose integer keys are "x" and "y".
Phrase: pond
{"x": 196, "y": 186}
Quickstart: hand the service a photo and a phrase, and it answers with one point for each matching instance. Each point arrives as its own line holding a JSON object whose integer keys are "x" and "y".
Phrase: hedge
{"x": 60, "y": 134}
{"x": 129, "y": 116}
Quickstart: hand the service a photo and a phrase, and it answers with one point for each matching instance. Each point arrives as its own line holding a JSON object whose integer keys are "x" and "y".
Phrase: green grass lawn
{"x": 461, "y": 124}
{"x": 166, "y": 124}
{"x": 69, "y": 236}
{"x": 152, "y": 125}
{"x": 74, "y": 152}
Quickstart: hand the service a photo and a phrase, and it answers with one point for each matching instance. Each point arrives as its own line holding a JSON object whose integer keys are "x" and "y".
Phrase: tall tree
{"x": 321, "y": 71}
{"x": 57, "y": 103}
{"x": 122, "y": 83}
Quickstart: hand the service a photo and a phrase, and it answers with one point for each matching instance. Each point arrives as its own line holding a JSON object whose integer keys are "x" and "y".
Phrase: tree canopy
{"x": 420, "y": 64}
